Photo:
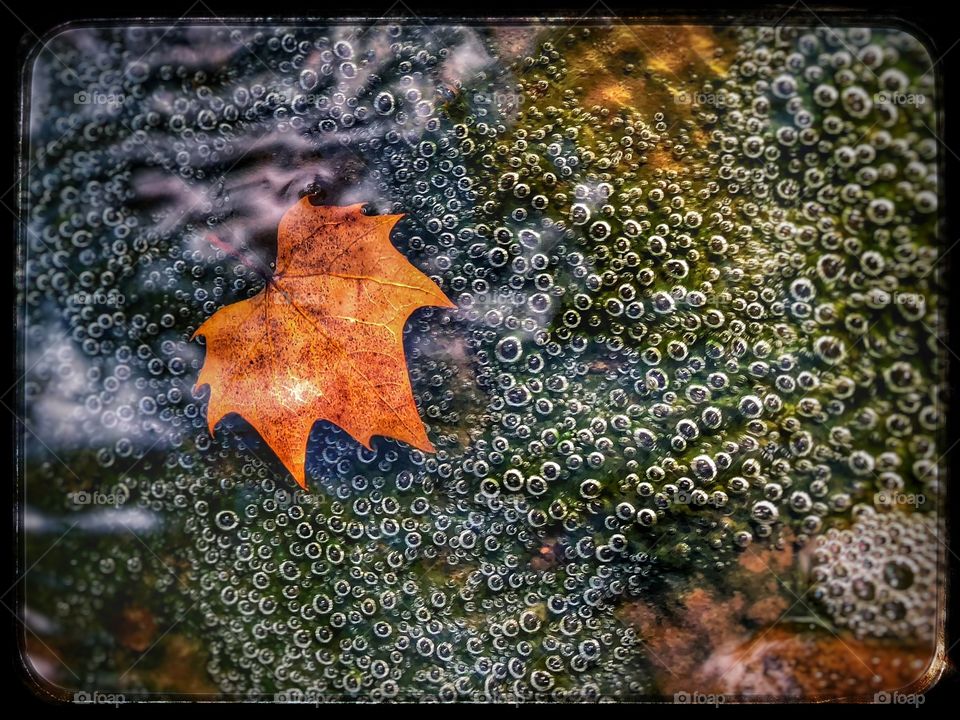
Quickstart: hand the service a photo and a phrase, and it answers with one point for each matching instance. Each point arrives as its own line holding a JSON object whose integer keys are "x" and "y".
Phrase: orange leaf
{"x": 324, "y": 339}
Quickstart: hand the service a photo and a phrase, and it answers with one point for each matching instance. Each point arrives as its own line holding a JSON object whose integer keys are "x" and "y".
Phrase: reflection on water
{"x": 690, "y": 394}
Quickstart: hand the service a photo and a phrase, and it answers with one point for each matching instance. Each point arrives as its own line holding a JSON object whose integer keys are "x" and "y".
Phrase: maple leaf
{"x": 324, "y": 339}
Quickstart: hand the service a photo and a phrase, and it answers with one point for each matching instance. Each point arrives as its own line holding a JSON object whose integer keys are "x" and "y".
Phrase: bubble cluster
{"x": 879, "y": 577}
{"x": 677, "y": 334}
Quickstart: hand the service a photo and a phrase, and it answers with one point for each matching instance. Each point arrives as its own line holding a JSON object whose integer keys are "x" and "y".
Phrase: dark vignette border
{"x": 26, "y": 27}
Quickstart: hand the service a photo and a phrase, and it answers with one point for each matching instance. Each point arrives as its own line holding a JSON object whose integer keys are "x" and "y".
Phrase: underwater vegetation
{"x": 698, "y": 320}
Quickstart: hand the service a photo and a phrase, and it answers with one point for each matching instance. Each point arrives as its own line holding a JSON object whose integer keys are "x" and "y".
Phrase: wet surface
{"x": 687, "y": 411}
